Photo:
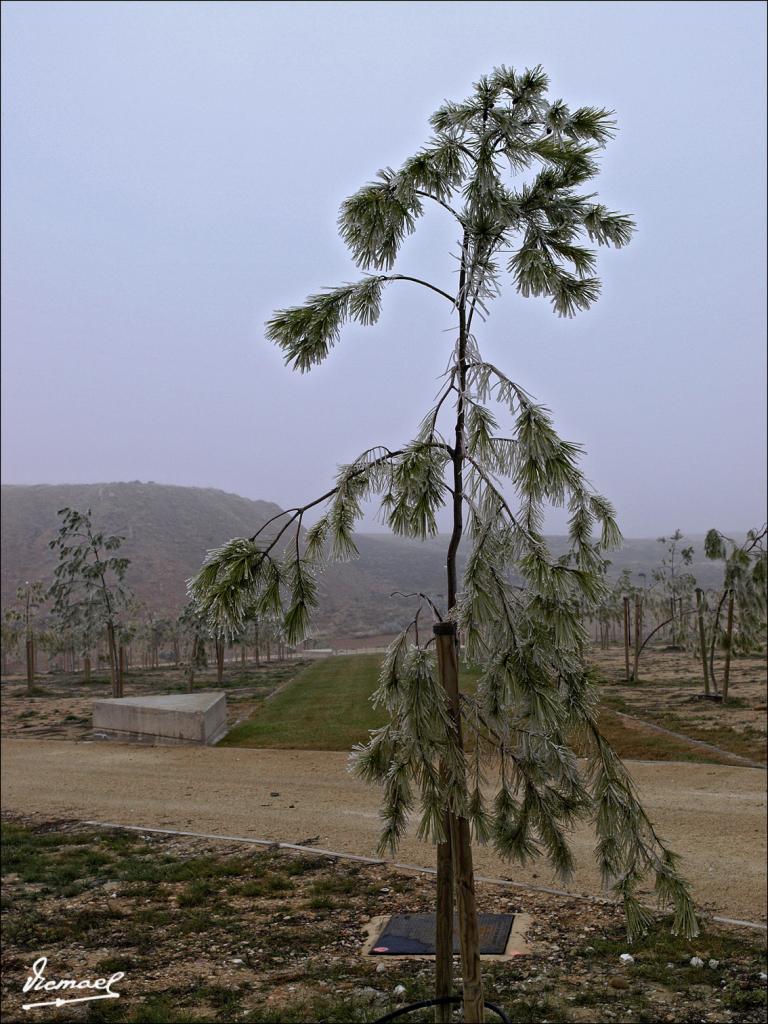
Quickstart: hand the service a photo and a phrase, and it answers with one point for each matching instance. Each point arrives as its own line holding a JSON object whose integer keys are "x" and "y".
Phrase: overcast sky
{"x": 172, "y": 173}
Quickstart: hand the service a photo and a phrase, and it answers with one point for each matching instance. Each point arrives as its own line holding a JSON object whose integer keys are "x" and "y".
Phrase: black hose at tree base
{"x": 439, "y": 1002}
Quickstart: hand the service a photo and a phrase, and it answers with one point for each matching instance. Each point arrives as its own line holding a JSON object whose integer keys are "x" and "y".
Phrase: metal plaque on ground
{"x": 414, "y": 935}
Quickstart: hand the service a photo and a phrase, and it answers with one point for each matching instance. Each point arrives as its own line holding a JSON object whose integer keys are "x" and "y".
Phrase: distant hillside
{"x": 356, "y": 595}
{"x": 169, "y": 529}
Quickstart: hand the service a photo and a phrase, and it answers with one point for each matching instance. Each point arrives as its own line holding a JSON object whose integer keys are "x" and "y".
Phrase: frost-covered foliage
{"x": 745, "y": 587}
{"x": 491, "y": 453}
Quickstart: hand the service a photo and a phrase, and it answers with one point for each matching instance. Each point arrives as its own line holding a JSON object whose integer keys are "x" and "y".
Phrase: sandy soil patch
{"x": 713, "y": 815}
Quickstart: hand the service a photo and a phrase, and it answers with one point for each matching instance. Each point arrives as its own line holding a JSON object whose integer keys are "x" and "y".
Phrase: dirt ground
{"x": 295, "y": 948}
{"x": 62, "y": 705}
{"x": 669, "y": 695}
{"x": 210, "y": 932}
{"x": 713, "y": 815}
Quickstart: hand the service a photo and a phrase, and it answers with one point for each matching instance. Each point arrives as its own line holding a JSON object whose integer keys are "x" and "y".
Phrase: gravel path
{"x": 714, "y": 815}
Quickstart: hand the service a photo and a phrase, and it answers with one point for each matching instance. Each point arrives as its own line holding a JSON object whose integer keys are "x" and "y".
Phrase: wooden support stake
{"x": 219, "y": 659}
{"x": 444, "y": 925}
{"x": 113, "y": 666}
{"x": 728, "y": 644}
{"x": 461, "y": 847}
{"x": 638, "y": 637}
{"x": 702, "y": 639}
{"x": 30, "y": 652}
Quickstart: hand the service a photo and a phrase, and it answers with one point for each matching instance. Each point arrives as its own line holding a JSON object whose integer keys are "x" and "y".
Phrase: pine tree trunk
{"x": 448, "y": 663}
{"x": 121, "y": 668}
{"x": 87, "y": 668}
{"x": 728, "y": 643}
{"x": 702, "y": 640}
{"x": 625, "y": 603}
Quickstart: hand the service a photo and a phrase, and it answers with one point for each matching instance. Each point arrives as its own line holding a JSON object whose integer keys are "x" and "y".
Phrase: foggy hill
{"x": 168, "y": 530}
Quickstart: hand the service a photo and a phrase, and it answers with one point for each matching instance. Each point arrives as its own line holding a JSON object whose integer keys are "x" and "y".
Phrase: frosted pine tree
{"x": 490, "y": 453}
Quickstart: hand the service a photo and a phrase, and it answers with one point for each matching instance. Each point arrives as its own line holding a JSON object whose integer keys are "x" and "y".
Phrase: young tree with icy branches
{"x": 89, "y": 583}
{"x": 675, "y": 586}
{"x": 194, "y": 629}
{"x": 490, "y": 453}
{"x": 744, "y": 596}
{"x": 30, "y": 598}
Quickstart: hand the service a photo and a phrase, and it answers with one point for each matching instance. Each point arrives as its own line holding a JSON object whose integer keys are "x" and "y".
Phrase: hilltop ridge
{"x": 169, "y": 528}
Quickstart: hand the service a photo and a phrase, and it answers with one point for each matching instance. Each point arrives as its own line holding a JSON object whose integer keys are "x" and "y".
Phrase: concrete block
{"x": 168, "y": 718}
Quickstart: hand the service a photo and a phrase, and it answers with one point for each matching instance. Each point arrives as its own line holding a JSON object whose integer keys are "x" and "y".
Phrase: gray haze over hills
{"x": 172, "y": 174}
{"x": 169, "y": 529}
